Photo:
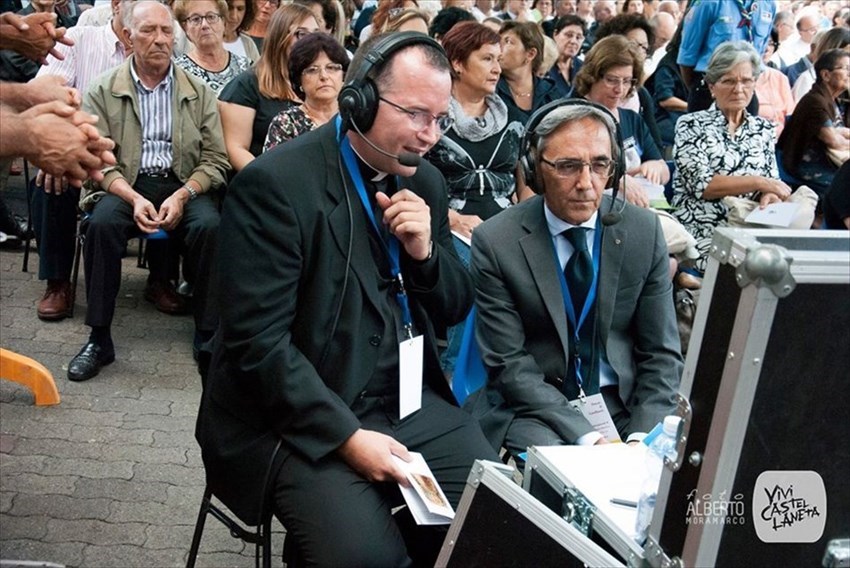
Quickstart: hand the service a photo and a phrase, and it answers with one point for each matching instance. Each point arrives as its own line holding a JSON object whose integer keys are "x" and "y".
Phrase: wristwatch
{"x": 193, "y": 194}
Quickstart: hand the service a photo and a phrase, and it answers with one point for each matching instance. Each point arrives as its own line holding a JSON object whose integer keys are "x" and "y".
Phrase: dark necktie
{"x": 579, "y": 269}
{"x": 579, "y": 276}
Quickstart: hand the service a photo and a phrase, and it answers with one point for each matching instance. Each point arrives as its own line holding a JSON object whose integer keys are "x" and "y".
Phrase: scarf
{"x": 477, "y": 128}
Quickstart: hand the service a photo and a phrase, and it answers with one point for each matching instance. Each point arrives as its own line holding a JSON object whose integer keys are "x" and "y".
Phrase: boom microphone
{"x": 407, "y": 159}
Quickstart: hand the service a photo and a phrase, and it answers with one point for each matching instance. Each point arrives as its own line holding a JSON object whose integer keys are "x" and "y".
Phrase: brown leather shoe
{"x": 55, "y": 305}
{"x": 165, "y": 298}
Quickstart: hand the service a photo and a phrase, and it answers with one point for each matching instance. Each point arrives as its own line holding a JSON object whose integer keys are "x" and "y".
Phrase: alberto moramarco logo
{"x": 707, "y": 509}
{"x": 789, "y": 506}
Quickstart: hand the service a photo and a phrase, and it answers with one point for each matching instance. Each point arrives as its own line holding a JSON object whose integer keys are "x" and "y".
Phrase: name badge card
{"x": 410, "y": 357}
{"x": 595, "y": 411}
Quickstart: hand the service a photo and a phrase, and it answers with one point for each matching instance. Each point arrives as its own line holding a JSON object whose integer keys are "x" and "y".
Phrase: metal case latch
{"x": 577, "y": 510}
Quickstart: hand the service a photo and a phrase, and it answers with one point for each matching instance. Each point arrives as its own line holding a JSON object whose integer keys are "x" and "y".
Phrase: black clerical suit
{"x": 282, "y": 370}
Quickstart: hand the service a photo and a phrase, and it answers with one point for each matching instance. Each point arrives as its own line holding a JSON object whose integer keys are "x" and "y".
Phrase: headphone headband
{"x": 529, "y": 141}
{"x": 358, "y": 98}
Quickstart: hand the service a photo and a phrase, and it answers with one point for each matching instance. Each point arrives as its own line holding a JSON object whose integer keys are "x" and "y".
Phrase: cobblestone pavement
{"x": 111, "y": 476}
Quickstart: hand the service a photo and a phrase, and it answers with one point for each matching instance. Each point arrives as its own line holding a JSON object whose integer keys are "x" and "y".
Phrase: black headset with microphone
{"x": 528, "y": 153}
{"x": 359, "y": 97}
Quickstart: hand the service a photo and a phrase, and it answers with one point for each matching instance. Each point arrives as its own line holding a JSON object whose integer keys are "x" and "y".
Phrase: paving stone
{"x": 60, "y": 507}
{"x": 112, "y": 435}
{"x": 121, "y": 490}
{"x": 24, "y": 528}
{"x": 145, "y": 454}
{"x": 58, "y": 448}
{"x": 95, "y": 532}
{"x": 10, "y": 464}
{"x": 174, "y": 474}
{"x": 92, "y": 468}
{"x": 6, "y": 499}
{"x": 132, "y": 557}
{"x": 174, "y": 440}
{"x": 65, "y": 553}
{"x": 77, "y": 416}
{"x": 131, "y": 406}
{"x": 7, "y": 443}
{"x": 39, "y": 484}
{"x": 216, "y": 537}
{"x": 186, "y": 407}
{"x": 163, "y": 423}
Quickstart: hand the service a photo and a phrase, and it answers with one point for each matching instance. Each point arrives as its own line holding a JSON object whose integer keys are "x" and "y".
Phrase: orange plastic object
{"x": 31, "y": 374}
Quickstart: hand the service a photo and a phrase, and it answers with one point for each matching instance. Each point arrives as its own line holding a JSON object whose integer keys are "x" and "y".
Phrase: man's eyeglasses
{"x": 569, "y": 169}
{"x": 421, "y": 119}
{"x": 612, "y": 82}
{"x": 272, "y": 3}
{"x": 196, "y": 20}
{"x": 329, "y": 69}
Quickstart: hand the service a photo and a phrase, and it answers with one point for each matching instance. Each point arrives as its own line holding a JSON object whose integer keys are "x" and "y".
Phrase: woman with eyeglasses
{"x": 317, "y": 65}
{"x": 725, "y": 150}
{"x": 568, "y": 33}
{"x": 250, "y": 102}
{"x": 240, "y": 14}
{"x": 607, "y": 76}
{"x": 522, "y": 55}
{"x": 478, "y": 154}
{"x": 207, "y": 59}
{"x": 386, "y": 10}
{"x": 636, "y": 29}
{"x": 259, "y": 27}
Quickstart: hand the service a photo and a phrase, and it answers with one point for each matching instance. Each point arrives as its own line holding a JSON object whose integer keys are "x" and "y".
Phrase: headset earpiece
{"x": 358, "y": 99}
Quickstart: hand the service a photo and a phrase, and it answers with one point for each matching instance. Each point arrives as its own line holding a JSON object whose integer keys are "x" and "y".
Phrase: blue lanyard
{"x": 391, "y": 245}
{"x": 588, "y": 301}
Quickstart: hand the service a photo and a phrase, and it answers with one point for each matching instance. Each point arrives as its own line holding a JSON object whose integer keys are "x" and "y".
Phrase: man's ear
{"x": 128, "y": 36}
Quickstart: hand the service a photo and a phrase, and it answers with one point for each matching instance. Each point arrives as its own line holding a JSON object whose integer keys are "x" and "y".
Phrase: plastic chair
{"x": 785, "y": 175}
{"x": 470, "y": 374}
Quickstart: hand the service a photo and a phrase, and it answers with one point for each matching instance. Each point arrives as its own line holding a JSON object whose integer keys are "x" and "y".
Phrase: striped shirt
{"x": 155, "y": 115}
{"x": 95, "y": 51}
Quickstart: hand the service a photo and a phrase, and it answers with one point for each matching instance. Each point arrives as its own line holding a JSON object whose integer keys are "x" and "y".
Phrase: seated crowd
{"x": 328, "y": 186}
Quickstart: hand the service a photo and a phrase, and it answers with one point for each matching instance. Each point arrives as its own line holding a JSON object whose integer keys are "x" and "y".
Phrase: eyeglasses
{"x": 272, "y": 3}
{"x": 421, "y": 119}
{"x": 568, "y": 169}
{"x": 644, "y": 47}
{"x": 733, "y": 83}
{"x": 196, "y": 20}
{"x": 845, "y": 68}
{"x": 300, "y": 32}
{"x": 569, "y": 36}
{"x": 329, "y": 69}
{"x": 612, "y": 81}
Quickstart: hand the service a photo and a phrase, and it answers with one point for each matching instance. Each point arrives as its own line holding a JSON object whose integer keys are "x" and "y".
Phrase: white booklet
{"x": 774, "y": 215}
{"x": 424, "y": 497}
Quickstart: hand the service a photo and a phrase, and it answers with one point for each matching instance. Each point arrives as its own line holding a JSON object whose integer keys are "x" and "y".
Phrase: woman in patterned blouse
{"x": 724, "y": 151}
{"x": 317, "y": 64}
{"x": 207, "y": 59}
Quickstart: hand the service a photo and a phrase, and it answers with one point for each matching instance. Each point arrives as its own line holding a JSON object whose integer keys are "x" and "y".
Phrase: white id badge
{"x": 410, "y": 356}
{"x": 594, "y": 410}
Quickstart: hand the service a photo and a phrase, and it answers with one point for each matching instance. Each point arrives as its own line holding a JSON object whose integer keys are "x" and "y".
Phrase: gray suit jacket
{"x": 521, "y": 325}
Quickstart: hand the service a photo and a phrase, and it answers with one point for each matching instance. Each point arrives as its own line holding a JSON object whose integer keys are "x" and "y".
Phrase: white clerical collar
{"x": 379, "y": 175}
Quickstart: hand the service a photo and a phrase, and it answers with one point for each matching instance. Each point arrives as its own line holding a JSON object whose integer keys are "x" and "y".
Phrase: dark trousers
{"x": 525, "y": 432}
{"x": 338, "y": 518}
{"x": 54, "y": 220}
{"x": 111, "y": 225}
{"x": 699, "y": 97}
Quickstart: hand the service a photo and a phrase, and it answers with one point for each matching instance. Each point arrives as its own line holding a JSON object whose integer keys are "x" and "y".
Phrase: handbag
{"x": 739, "y": 207}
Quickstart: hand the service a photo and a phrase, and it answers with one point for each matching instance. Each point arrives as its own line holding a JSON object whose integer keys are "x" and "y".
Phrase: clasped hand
{"x": 408, "y": 218}
{"x": 149, "y": 220}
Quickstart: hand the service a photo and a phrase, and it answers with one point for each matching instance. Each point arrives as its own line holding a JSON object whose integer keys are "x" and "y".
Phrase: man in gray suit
{"x": 575, "y": 304}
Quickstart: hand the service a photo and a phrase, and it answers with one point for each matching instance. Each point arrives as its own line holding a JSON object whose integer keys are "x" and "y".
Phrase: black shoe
{"x": 88, "y": 362}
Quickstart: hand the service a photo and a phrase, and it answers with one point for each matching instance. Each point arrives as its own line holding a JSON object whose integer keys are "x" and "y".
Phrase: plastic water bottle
{"x": 663, "y": 445}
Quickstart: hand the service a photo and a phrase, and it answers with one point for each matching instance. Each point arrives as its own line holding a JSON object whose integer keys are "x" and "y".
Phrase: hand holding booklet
{"x": 424, "y": 497}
